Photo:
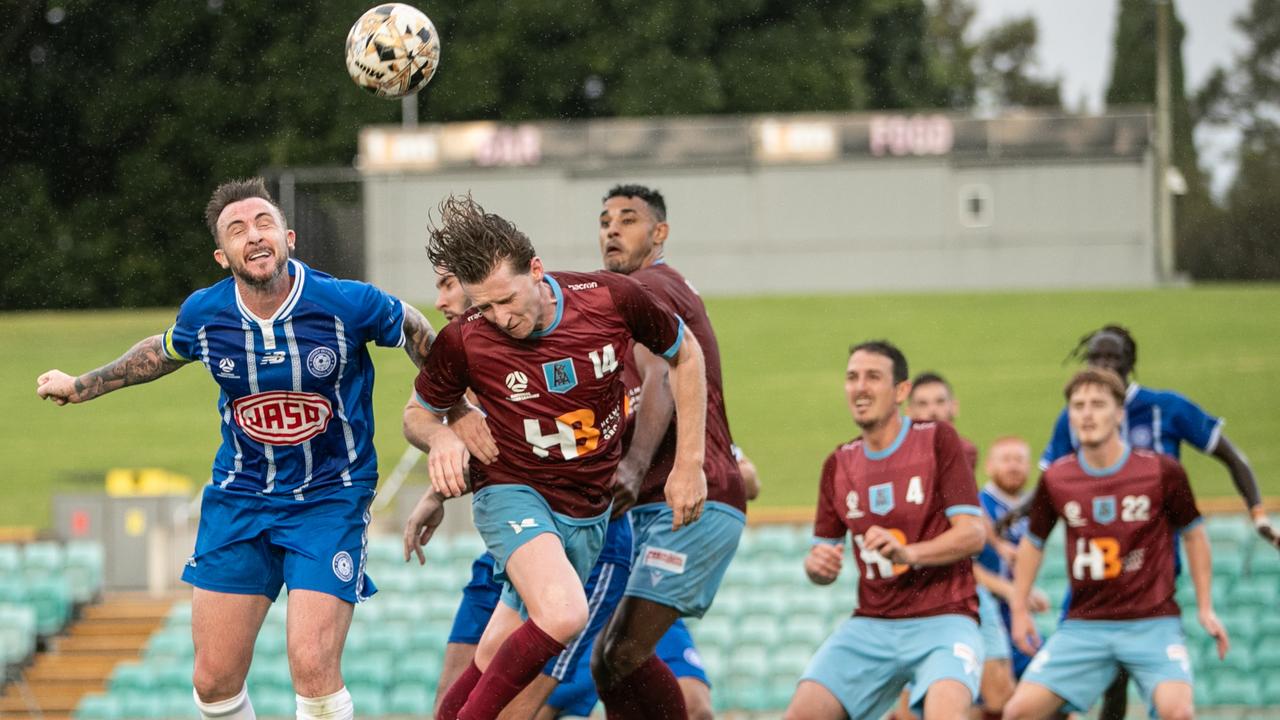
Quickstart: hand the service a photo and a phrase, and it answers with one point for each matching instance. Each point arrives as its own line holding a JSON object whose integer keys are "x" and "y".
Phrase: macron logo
{"x": 519, "y": 527}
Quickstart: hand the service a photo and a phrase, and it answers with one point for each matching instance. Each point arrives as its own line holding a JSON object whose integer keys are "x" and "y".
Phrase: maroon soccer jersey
{"x": 724, "y": 481}
{"x": 1120, "y": 532}
{"x": 911, "y": 489}
{"x": 555, "y": 399}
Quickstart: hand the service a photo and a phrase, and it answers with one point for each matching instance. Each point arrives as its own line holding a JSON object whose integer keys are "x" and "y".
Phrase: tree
{"x": 1247, "y": 97}
{"x": 1133, "y": 82}
{"x": 1005, "y": 59}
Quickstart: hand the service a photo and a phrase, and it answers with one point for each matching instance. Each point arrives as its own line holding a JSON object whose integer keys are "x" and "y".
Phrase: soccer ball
{"x": 392, "y": 50}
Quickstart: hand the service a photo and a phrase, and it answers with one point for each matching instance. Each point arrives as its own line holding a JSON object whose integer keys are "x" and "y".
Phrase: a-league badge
{"x": 1104, "y": 509}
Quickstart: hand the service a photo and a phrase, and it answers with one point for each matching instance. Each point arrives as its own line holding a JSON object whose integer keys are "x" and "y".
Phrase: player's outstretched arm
{"x": 686, "y": 488}
{"x": 1025, "y": 568}
{"x": 447, "y": 455}
{"x": 143, "y": 363}
{"x": 654, "y": 409}
{"x": 418, "y": 334}
{"x": 1247, "y": 485}
{"x": 422, "y": 524}
{"x": 1195, "y": 541}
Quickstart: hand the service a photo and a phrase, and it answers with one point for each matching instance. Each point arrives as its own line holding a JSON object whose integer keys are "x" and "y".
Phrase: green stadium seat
{"x": 369, "y": 700}
{"x": 170, "y": 644}
{"x": 749, "y": 662}
{"x": 419, "y": 668}
{"x": 141, "y": 704}
{"x": 1261, "y": 593}
{"x": 179, "y": 705}
{"x": 714, "y": 631}
{"x": 1268, "y": 625}
{"x": 99, "y": 706}
{"x": 759, "y": 629}
{"x": 1264, "y": 561}
{"x": 807, "y": 631}
{"x": 273, "y": 702}
{"x": 85, "y": 559}
{"x": 370, "y": 668}
{"x": 772, "y": 601}
{"x": 10, "y": 560}
{"x": 17, "y": 633}
{"x": 790, "y": 661}
{"x": 52, "y": 602}
{"x": 1236, "y": 689}
{"x": 268, "y": 675}
{"x": 42, "y": 559}
{"x": 1228, "y": 529}
{"x": 272, "y": 642}
{"x": 130, "y": 677}
{"x": 1239, "y": 658}
{"x": 1271, "y": 690}
{"x": 407, "y": 699}
{"x": 172, "y": 676}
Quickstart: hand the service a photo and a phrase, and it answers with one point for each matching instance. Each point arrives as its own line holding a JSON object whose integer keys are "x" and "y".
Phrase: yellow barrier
{"x": 128, "y": 482}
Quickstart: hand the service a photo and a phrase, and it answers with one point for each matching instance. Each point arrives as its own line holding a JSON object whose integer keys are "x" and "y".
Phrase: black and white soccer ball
{"x": 393, "y": 50}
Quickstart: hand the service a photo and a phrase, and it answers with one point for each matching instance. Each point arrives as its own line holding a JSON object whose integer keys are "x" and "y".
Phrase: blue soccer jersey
{"x": 296, "y": 387}
{"x": 996, "y": 503}
{"x": 1159, "y": 420}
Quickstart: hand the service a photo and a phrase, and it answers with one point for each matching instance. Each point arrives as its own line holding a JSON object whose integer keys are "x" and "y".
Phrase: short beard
{"x": 263, "y": 283}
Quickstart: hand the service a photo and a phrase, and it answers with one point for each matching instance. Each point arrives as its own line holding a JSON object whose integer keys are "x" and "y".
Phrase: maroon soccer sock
{"x": 456, "y": 696}
{"x": 650, "y": 692}
{"x": 515, "y": 665}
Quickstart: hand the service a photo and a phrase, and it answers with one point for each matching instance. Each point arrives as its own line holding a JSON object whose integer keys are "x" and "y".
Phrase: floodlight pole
{"x": 1164, "y": 143}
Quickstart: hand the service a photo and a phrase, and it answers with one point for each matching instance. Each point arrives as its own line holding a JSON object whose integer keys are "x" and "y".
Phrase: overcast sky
{"x": 1075, "y": 44}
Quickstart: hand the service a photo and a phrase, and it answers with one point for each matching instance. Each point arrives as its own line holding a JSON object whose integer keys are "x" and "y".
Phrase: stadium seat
{"x": 179, "y": 705}
{"x": 170, "y": 645}
{"x": 409, "y": 699}
{"x": 1258, "y": 592}
{"x": 1271, "y": 690}
{"x": 171, "y": 676}
{"x": 369, "y": 700}
{"x": 419, "y": 668}
{"x": 85, "y": 558}
{"x": 1224, "y": 529}
{"x": 42, "y": 559}
{"x": 714, "y": 631}
{"x": 807, "y": 631}
{"x": 1264, "y": 561}
{"x": 759, "y": 629}
{"x": 749, "y": 662}
{"x": 130, "y": 677}
{"x": 141, "y": 704}
{"x": 99, "y": 706}
{"x": 273, "y": 702}
{"x": 271, "y": 642}
{"x": 1266, "y": 655}
{"x": 1237, "y": 689}
{"x": 268, "y": 675}
{"x": 370, "y": 668}
{"x": 52, "y": 602}
{"x": 17, "y": 633}
{"x": 10, "y": 559}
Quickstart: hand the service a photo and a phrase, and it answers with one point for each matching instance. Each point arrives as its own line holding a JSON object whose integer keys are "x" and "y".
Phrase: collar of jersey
{"x": 299, "y": 272}
{"x": 1104, "y": 472}
{"x": 897, "y": 442}
{"x": 994, "y": 491}
{"x": 1131, "y": 392}
{"x": 559, "y": 296}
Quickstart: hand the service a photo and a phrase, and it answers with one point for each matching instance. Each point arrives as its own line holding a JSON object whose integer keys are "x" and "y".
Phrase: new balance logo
{"x": 519, "y": 527}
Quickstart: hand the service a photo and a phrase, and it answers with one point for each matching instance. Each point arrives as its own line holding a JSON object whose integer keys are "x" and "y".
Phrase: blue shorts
{"x": 867, "y": 661}
{"x": 682, "y": 569}
{"x": 479, "y": 598}
{"x": 576, "y": 694}
{"x": 995, "y": 639}
{"x": 252, "y": 544}
{"x": 508, "y": 516}
{"x": 1080, "y": 660}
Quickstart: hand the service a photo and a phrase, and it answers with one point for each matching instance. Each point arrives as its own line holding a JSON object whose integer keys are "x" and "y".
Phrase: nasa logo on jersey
{"x": 881, "y": 498}
{"x": 343, "y": 568}
{"x": 321, "y": 362}
{"x": 560, "y": 375}
{"x": 227, "y": 369}
{"x": 280, "y": 417}
{"x": 1104, "y": 509}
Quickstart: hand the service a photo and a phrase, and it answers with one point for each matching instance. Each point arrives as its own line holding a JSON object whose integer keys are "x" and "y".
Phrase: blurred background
{"x": 982, "y": 181}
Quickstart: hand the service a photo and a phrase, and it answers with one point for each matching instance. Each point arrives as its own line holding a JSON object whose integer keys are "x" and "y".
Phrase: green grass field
{"x": 784, "y": 363}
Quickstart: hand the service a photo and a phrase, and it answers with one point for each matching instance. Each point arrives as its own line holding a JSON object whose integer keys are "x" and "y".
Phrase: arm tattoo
{"x": 418, "y": 334}
{"x": 143, "y": 363}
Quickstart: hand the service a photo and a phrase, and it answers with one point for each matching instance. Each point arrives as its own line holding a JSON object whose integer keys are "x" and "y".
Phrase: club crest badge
{"x": 1104, "y": 509}
{"x": 881, "y": 498}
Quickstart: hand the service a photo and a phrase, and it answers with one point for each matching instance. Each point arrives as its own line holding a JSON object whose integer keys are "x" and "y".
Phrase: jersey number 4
{"x": 576, "y": 435}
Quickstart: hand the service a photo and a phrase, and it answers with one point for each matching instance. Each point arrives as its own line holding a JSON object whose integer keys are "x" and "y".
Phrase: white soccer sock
{"x": 330, "y": 707}
{"x": 236, "y": 708}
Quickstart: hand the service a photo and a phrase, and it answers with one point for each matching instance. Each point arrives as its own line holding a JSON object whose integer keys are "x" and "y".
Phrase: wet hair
{"x": 234, "y": 191}
{"x": 470, "y": 243}
{"x": 651, "y": 197}
{"x": 929, "y": 377}
{"x": 889, "y": 350}
{"x": 1130, "y": 346}
{"x": 1096, "y": 376}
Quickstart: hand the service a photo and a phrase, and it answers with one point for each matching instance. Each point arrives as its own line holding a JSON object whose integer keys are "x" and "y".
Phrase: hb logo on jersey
{"x": 280, "y": 417}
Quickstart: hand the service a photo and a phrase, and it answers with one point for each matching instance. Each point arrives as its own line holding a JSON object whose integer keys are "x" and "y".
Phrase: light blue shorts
{"x": 683, "y": 568}
{"x": 1080, "y": 660}
{"x": 867, "y": 661}
{"x": 995, "y": 639}
{"x": 508, "y": 516}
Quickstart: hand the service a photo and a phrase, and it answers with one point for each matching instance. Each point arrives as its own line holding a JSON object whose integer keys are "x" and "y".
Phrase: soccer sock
{"x": 516, "y": 663}
{"x": 456, "y": 695}
{"x": 650, "y": 692}
{"x": 330, "y": 707}
{"x": 236, "y": 708}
